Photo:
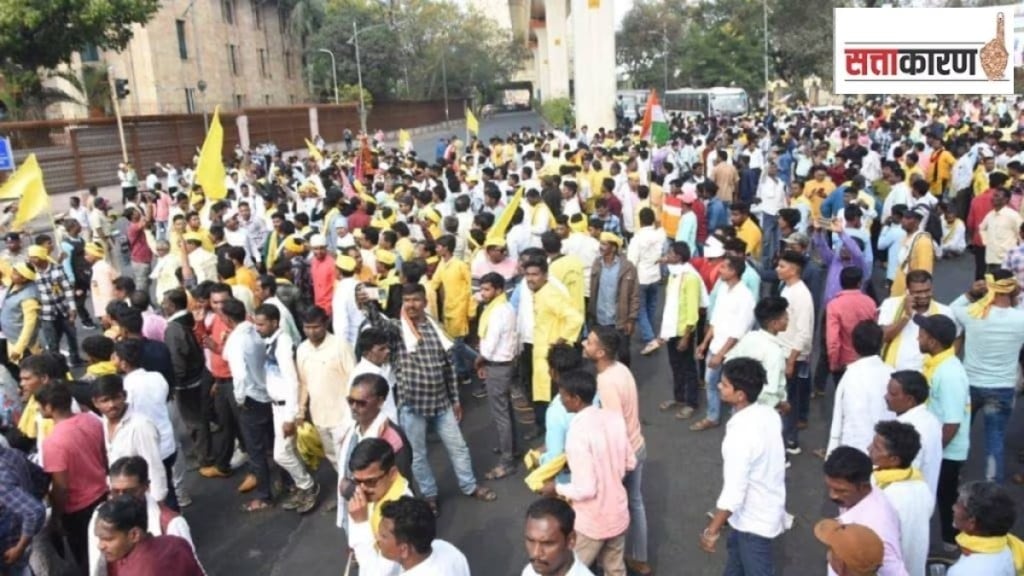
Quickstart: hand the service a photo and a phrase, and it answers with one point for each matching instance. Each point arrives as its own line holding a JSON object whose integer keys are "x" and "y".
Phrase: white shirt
{"x": 772, "y": 192}
{"x": 347, "y": 317}
{"x": 999, "y": 231}
{"x": 287, "y": 320}
{"x": 136, "y": 435}
{"x": 147, "y": 393}
{"x": 444, "y": 560}
{"x": 754, "y": 472}
{"x": 909, "y": 356}
{"x": 178, "y": 526}
{"x": 578, "y": 569}
{"x": 860, "y": 404}
{"x": 524, "y": 313}
{"x": 998, "y": 564}
{"x": 518, "y": 238}
{"x": 732, "y": 316}
{"x": 929, "y": 457}
{"x": 500, "y": 343}
{"x": 644, "y": 251}
{"x": 364, "y": 366}
{"x": 899, "y": 194}
{"x": 799, "y": 333}
{"x": 914, "y": 503}
{"x": 587, "y": 249}
{"x": 283, "y": 381}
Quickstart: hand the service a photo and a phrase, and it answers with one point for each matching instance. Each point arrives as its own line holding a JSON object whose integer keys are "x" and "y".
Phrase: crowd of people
{"x": 339, "y": 305}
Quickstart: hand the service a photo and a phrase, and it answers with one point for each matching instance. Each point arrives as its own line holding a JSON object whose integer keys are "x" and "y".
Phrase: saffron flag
{"x": 471, "y": 122}
{"x": 314, "y": 153}
{"x": 210, "y": 169}
{"x": 27, "y": 185}
{"x": 655, "y": 126}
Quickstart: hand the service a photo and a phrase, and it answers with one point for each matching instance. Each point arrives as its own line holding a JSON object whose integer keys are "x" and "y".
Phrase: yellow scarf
{"x": 27, "y": 423}
{"x": 892, "y": 475}
{"x": 981, "y": 307}
{"x": 992, "y": 545}
{"x": 933, "y": 361}
{"x": 952, "y": 230}
{"x": 893, "y": 349}
{"x": 485, "y": 317}
{"x": 272, "y": 250}
{"x": 102, "y": 368}
{"x": 398, "y": 488}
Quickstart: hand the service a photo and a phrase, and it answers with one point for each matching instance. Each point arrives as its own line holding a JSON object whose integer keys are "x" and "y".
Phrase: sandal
{"x": 432, "y": 502}
{"x": 704, "y": 424}
{"x": 668, "y": 405}
{"x": 255, "y": 505}
{"x": 685, "y": 413}
{"x": 484, "y": 494}
{"x": 500, "y": 471}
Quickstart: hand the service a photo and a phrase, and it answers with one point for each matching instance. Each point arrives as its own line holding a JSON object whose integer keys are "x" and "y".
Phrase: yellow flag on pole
{"x": 403, "y": 138}
{"x": 472, "y": 124}
{"x": 210, "y": 170}
{"x": 27, "y": 186}
{"x": 314, "y": 153}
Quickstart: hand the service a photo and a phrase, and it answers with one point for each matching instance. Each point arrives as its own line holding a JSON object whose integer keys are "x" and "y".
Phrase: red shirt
{"x": 140, "y": 251}
{"x": 323, "y": 275}
{"x": 843, "y": 313}
{"x": 701, "y": 211}
{"x": 708, "y": 271}
{"x": 837, "y": 174}
{"x": 219, "y": 334}
{"x": 980, "y": 207}
{"x": 358, "y": 220}
{"x": 76, "y": 446}
{"x": 164, "y": 555}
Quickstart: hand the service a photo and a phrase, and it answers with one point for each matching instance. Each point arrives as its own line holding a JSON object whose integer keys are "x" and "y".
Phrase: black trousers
{"x": 76, "y": 526}
{"x": 684, "y": 372}
{"x": 947, "y": 491}
{"x": 257, "y": 426}
{"x": 227, "y": 416}
{"x": 190, "y": 405}
{"x": 172, "y": 494}
{"x": 979, "y": 261}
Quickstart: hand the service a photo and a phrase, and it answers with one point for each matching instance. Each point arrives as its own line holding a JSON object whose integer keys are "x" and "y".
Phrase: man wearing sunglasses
{"x": 366, "y": 397}
{"x": 375, "y": 480}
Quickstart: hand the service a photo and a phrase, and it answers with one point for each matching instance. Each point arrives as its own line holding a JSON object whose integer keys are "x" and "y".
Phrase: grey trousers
{"x": 499, "y": 398}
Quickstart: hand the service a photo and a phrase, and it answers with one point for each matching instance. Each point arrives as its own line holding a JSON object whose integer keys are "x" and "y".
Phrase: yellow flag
{"x": 471, "y": 123}
{"x": 27, "y": 185}
{"x": 403, "y": 138}
{"x": 210, "y": 170}
{"x": 500, "y": 226}
{"x": 314, "y": 153}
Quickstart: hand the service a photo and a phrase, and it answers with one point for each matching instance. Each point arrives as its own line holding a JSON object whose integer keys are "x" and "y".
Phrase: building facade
{"x": 196, "y": 54}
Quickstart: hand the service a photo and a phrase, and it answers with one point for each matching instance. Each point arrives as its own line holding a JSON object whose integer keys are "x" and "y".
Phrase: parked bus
{"x": 706, "y": 102}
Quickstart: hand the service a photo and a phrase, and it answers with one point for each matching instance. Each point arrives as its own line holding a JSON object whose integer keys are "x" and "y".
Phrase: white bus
{"x": 706, "y": 102}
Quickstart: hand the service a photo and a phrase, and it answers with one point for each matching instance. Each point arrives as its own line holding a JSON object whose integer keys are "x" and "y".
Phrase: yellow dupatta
{"x": 102, "y": 368}
{"x": 272, "y": 250}
{"x": 892, "y": 475}
{"x": 933, "y": 361}
{"x": 398, "y": 488}
{"x": 980, "y": 308}
{"x": 893, "y": 349}
{"x": 485, "y": 317}
{"x": 992, "y": 545}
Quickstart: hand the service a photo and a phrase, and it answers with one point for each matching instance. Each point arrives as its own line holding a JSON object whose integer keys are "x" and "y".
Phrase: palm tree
{"x": 304, "y": 18}
{"x": 23, "y": 96}
{"x": 94, "y": 87}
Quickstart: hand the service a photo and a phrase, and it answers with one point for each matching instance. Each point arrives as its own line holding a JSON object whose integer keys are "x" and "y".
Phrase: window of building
{"x": 239, "y": 100}
{"x": 190, "y": 100}
{"x": 266, "y": 99}
{"x": 90, "y": 53}
{"x": 257, "y": 13}
{"x": 282, "y": 21}
{"x": 233, "y": 64}
{"x": 227, "y": 11}
{"x": 264, "y": 64}
{"x": 182, "y": 40}
{"x": 293, "y": 99}
{"x": 288, "y": 64}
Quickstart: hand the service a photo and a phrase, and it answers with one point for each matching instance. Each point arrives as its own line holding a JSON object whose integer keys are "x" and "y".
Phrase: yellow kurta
{"x": 922, "y": 257}
{"x": 751, "y": 234}
{"x": 454, "y": 278}
{"x": 568, "y": 270}
{"x": 554, "y": 319}
{"x": 405, "y": 248}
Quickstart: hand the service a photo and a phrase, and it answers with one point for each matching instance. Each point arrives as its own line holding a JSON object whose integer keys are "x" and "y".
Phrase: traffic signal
{"x": 121, "y": 88}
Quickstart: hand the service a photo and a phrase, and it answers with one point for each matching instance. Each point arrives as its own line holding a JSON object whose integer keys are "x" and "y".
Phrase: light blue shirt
{"x": 608, "y": 292}
{"x": 556, "y": 421}
{"x": 950, "y": 402}
{"x": 246, "y": 355}
{"x": 891, "y": 239}
{"x": 998, "y": 564}
{"x": 991, "y": 344}
{"x": 687, "y": 231}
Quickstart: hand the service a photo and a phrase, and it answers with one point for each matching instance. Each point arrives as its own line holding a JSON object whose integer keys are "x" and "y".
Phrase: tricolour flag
{"x": 655, "y": 125}
{"x": 26, "y": 184}
{"x": 210, "y": 169}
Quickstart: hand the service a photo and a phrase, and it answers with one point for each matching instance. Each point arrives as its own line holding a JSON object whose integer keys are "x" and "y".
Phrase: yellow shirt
{"x": 751, "y": 234}
{"x": 453, "y": 277}
{"x": 910, "y": 171}
{"x": 405, "y": 248}
{"x": 939, "y": 171}
{"x": 816, "y": 198}
{"x": 554, "y": 319}
{"x": 568, "y": 270}
{"x": 323, "y": 373}
{"x": 247, "y": 277}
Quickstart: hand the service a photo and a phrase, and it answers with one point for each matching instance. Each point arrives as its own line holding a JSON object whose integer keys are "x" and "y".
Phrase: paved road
{"x": 682, "y": 479}
{"x": 498, "y": 125}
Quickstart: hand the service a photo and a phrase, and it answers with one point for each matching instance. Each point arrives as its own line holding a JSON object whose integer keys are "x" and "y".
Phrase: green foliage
{"x": 558, "y": 112}
{"x": 92, "y": 87}
{"x": 24, "y": 97}
{"x": 408, "y": 52}
{"x": 44, "y": 33}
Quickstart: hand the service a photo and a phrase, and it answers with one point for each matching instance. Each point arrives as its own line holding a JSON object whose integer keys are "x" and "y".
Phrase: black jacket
{"x": 186, "y": 355}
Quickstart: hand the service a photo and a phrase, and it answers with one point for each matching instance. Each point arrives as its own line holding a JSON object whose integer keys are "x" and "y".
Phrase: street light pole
{"x": 444, "y": 79}
{"x": 359, "y": 75}
{"x": 334, "y": 71}
{"x": 664, "y": 59}
{"x": 767, "y": 102}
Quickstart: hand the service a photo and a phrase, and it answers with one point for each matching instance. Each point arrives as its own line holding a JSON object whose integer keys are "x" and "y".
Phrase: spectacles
{"x": 357, "y": 402}
{"x": 370, "y": 482}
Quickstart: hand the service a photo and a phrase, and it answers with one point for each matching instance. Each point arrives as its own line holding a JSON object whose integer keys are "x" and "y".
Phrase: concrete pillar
{"x": 558, "y": 54}
{"x": 593, "y": 24}
{"x": 543, "y": 67}
{"x": 314, "y": 121}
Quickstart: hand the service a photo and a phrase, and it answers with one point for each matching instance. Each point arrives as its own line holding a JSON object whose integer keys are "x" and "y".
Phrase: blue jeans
{"x": 648, "y": 311}
{"x": 464, "y": 357}
{"x": 769, "y": 239}
{"x": 748, "y": 555}
{"x": 415, "y": 426}
{"x": 711, "y": 378}
{"x": 996, "y": 406}
{"x": 636, "y": 536}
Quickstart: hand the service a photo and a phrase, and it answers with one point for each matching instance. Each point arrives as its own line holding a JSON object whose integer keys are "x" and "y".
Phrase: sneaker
{"x": 289, "y": 499}
{"x": 793, "y": 449}
{"x": 184, "y": 500}
{"x": 306, "y": 500}
{"x": 788, "y": 463}
{"x": 651, "y": 347}
{"x": 88, "y": 325}
{"x": 238, "y": 459}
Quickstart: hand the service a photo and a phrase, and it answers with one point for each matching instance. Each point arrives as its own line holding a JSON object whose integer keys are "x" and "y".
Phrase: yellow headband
{"x": 385, "y": 257}
{"x": 981, "y": 307}
{"x": 39, "y": 252}
{"x": 578, "y": 225}
{"x": 95, "y": 249}
{"x": 345, "y": 263}
{"x": 26, "y": 271}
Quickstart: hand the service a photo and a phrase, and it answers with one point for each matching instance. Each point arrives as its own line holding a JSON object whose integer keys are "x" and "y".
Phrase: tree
{"x": 92, "y": 88}
{"x": 44, "y": 33}
{"x": 23, "y": 96}
{"x": 800, "y": 35}
{"x": 723, "y": 45}
{"x": 651, "y": 32}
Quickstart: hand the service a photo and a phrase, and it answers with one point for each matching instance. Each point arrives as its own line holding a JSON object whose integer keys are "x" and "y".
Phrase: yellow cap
{"x": 35, "y": 251}
{"x": 611, "y": 238}
{"x": 345, "y": 263}
{"x": 295, "y": 243}
{"x": 385, "y": 257}
{"x": 26, "y": 271}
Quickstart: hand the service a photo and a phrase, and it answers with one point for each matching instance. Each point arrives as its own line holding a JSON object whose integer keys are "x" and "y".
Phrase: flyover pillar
{"x": 594, "y": 63}
{"x": 543, "y": 64}
{"x": 557, "y": 49}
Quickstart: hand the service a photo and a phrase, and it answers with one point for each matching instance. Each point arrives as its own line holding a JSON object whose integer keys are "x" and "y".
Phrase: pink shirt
{"x": 322, "y": 272}
{"x": 876, "y": 513}
{"x": 163, "y": 207}
{"x": 153, "y": 326}
{"x": 599, "y": 455}
{"x": 102, "y": 291}
{"x": 76, "y": 446}
{"x": 843, "y": 313}
{"x": 482, "y": 265}
{"x": 617, "y": 390}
